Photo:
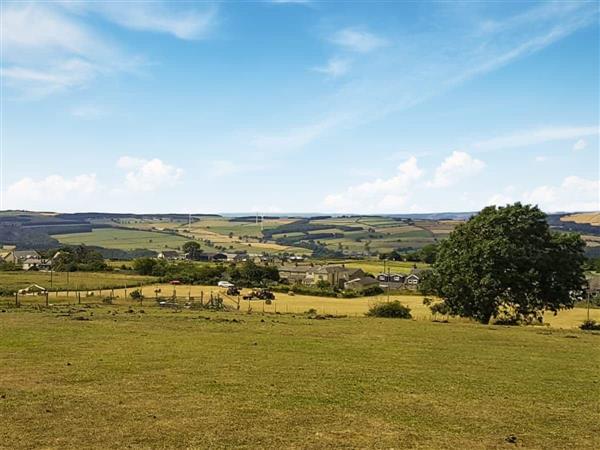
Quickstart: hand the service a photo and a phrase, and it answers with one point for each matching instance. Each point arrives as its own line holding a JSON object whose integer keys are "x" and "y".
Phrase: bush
{"x": 371, "y": 291}
{"x": 136, "y": 295}
{"x": 590, "y": 325}
{"x": 393, "y": 309}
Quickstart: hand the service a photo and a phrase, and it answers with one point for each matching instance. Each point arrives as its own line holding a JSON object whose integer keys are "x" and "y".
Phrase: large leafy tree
{"x": 506, "y": 259}
{"x": 192, "y": 249}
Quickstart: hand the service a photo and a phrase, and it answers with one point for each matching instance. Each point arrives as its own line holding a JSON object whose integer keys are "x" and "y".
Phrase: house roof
{"x": 296, "y": 269}
{"x": 363, "y": 281}
{"x": 26, "y": 254}
{"x": 34, "y": 261}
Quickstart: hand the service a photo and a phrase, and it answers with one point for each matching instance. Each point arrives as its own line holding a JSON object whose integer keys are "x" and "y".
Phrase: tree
{"x": 192, "y": 250}
{"x": 506, "y": 259}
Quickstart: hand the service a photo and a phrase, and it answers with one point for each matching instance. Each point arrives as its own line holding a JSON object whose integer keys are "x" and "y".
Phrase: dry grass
{"x": 164, "y": 379}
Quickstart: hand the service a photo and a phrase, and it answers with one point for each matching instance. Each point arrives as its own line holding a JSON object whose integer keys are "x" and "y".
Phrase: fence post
{"x": 17, "y": 299}
{"x": 79, "y": 298}
{"x": 201, "y": 298}
{"x": 47, "y": 298}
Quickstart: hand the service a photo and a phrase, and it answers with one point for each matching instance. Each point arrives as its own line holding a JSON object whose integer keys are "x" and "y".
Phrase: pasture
{"x": 124, "y": 239}
{"x": 13, "y": 281}
{"x": 284, "y": 303}
{"x": 143, "y": 377}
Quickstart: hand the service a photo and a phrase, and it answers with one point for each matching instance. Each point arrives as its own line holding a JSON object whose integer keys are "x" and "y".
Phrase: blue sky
{"x": 303, "y": 106}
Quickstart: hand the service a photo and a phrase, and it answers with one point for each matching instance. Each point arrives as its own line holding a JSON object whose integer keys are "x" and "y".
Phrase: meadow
{"x": 122, "y": 376}
{"x": 284, "y": 303}
{"x": 13, "y": 281}
{"x": 124, "y": 239}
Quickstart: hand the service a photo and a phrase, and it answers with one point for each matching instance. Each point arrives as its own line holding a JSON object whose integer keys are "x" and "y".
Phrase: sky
{"x": 299, "y": 106}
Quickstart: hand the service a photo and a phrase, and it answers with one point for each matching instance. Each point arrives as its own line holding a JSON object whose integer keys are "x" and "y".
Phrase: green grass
{"x": 14, "y": 281}
{"x": 169, "y": 380}
{"x": 123, "y": 239}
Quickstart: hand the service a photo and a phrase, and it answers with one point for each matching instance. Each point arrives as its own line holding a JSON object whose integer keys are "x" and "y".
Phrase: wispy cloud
{"x": 406, "y": 73}
{"x": 195, "y": 21}
{"x": 50, "y": 47}
{"x": 534, "y": 136}
{"x": 46, "y": 50}
{"x": 357, "y": 40}
{"x": 335, "y": 67}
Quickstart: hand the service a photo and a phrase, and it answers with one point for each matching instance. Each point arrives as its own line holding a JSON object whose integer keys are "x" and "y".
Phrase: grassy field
{"x": 123, "y": 239}
{"x": 286, "y": 303}
{"x": 74, "y": 280}
{"x": 127, "y": 378}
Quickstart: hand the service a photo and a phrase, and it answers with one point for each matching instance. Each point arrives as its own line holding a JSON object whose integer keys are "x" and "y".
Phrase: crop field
{"x": 234, "y": 243}
{"x": 130, "y": 376}
{"x": 592, "y": 218}
{"x": 14, "y": 281}
{"x": 123, "y": 239}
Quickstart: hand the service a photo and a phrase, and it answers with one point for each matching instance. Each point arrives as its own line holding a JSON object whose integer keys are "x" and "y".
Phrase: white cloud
{"x": 54, "y": 189}
{"x": 357, "y": 40}
{"x": 541, "y": 158}
{"x": 46, "y": 50}
{"x": 48, "y": 47}
{"x": 535, "y": 136}
{"x": 146, "y": 175}
{"x": 457, "y": 166}
{"x": 335, "y": 67}
{"x": 156, "y": 16}
{"x": 581, "y": 144}
{"x": 573, "y": 194}
{"x": 380, "y": 195}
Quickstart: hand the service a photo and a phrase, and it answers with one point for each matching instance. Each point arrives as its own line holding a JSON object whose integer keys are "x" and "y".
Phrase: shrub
{"x": 136, "y": 295}
{"x": 590, "y": 325}
{"x": 311, "y": 312}
{"x": 393, "y": 309}
{"x": 371, "y": 291}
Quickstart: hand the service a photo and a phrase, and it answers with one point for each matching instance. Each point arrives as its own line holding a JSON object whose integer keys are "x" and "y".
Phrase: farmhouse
{"x": 211, "y": 256}
{"x": 294, "y": 273}
{"x": 311, "y": 275}
{"x": 36, "y": 264}
{"x": 399, "y": 281}
{"x": 391, "y": 280}
{"x": 169, "y": 255}
{"x": 334, "y": 275}
{"x": 18, "y": 256}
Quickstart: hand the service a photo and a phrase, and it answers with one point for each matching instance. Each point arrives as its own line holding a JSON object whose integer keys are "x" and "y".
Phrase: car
{"x": 225, "y": 284}
{"x": 175, "y": 282}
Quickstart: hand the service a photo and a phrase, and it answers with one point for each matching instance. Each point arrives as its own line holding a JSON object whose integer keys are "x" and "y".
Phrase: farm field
{"x": 123, "y": 239}
{"x": 12, "y": 281}
{"x": 286, "y": 303}
{"x": 196, "y": 379}
{"x": 593, "y": 218}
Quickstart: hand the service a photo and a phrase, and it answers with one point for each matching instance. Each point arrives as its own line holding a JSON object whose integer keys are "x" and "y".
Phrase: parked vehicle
{"x": 225, "y": 284}
{"x": 232, "y": 290}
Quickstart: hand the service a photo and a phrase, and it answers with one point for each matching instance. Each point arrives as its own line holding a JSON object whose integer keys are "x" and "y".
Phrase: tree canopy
{"x": 506, "y": 259}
